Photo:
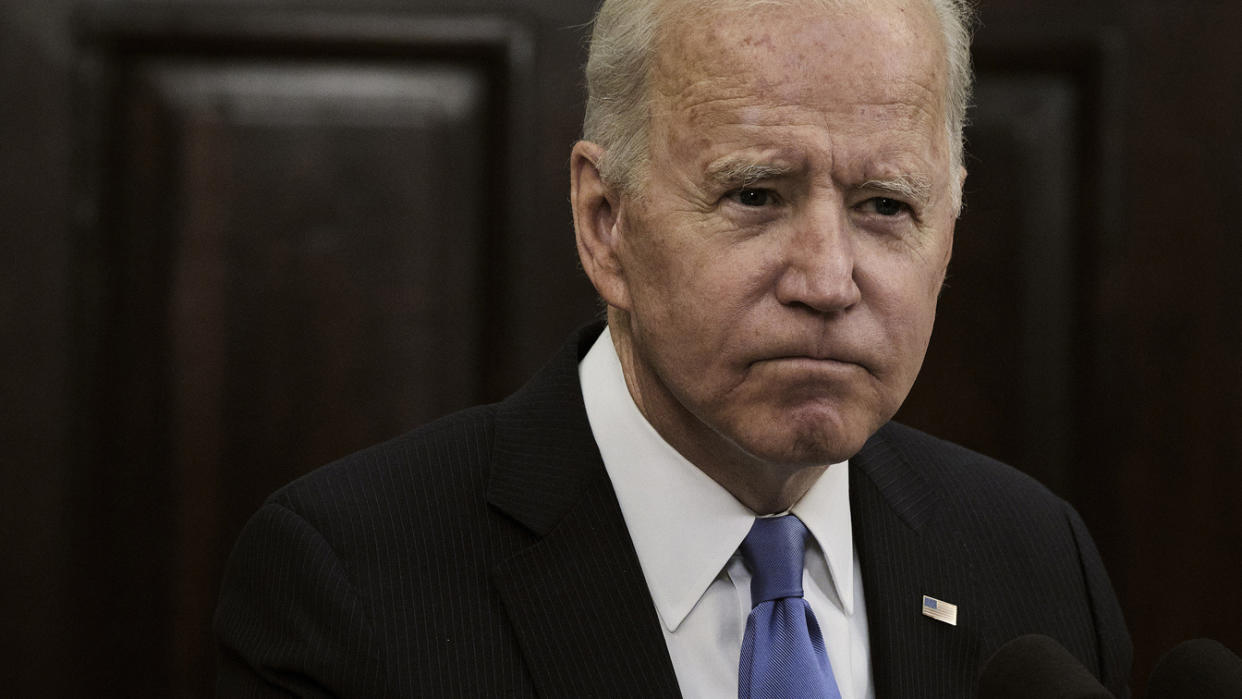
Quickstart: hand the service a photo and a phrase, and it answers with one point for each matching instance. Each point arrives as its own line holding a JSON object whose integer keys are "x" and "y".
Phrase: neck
{"x": 773, "y": 496}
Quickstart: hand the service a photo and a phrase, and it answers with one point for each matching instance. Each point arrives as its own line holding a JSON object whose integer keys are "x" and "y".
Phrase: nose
{"x": 819, "y": 265}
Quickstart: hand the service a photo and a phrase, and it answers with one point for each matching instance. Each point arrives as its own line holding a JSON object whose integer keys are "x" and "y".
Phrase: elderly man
{"x": 706, "y": 497}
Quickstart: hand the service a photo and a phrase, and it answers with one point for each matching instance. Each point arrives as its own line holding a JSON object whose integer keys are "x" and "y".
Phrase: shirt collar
{"x": 825, "y": 510}
{"x": 684, "y": 525}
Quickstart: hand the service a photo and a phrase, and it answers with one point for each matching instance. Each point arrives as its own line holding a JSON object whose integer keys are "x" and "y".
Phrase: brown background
{"x": 243, "y": 242}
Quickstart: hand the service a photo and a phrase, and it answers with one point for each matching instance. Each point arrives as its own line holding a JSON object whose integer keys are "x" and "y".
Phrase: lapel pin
{"x": 940, "y": 610}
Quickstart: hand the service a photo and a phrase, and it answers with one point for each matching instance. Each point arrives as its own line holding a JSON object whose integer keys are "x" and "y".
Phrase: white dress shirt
{"x": 686, "y": 529}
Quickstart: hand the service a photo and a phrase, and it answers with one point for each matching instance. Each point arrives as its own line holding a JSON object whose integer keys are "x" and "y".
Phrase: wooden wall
{"x": 244, "y": 242}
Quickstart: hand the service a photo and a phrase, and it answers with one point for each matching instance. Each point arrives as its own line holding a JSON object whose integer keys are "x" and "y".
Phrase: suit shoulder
{"x": 955, "y": 462}
{"x": 448, "y": 456}
{"x": 965, "y": 474}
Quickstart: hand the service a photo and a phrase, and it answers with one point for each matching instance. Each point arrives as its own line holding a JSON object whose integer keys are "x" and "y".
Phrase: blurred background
{"x": 247, "y": 239}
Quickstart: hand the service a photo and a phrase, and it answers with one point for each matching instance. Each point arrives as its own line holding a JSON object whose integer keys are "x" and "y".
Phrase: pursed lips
{"x": 814, "y": 361}
{"x": 810, "y": 359}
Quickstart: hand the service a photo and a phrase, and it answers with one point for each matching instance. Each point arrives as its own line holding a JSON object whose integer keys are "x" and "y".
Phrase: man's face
{"x": 781, "y": 264}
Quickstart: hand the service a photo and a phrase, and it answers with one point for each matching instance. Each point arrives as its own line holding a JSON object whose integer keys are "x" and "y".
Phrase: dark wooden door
{"x": 245, "y": 241}
{"x": 295, "y": 243}
{"x": 283, "y": 233}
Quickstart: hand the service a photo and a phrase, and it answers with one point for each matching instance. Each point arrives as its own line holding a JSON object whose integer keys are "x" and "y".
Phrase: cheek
{"x": 921, "y": 304}
{"x": 673, "y": 263}
{"x": 922, "y": 317}
{"x": 904, "y": 297}
{"x": 924, "y": 270}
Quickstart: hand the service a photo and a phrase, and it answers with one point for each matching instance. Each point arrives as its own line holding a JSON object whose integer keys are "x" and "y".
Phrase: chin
{"x": 820, "y": 449}
{"x": 801, "y": 442}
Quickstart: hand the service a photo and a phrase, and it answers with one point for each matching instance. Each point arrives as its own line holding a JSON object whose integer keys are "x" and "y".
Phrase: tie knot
{"x": 773, "y": 550}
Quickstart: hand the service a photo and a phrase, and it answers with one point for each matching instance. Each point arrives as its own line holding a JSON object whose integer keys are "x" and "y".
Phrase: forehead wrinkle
{"x": 707, "y": 96}
{"x": 716, "y": 102}
{"x": 709, "y": 50}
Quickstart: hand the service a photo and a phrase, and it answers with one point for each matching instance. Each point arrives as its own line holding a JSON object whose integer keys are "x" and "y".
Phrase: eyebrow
{"x": 913, "y": 187}
{"x": 738, "y": 172}
{"x": 731, "y": 172}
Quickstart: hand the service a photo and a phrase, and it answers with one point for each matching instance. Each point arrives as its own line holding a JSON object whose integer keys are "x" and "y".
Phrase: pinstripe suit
{"x": 485, "y": 555}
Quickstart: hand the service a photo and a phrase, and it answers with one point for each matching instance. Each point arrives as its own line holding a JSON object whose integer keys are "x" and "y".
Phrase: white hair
{"x": 620, "y": 63}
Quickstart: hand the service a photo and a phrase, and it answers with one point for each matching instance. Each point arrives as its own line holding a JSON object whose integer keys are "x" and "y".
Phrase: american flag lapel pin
{"x": 940, "y": 610}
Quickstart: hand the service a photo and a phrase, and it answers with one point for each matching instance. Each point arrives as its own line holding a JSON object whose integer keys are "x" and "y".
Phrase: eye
{"x": 887, "y": 207}
{"x": 748, "y": 196}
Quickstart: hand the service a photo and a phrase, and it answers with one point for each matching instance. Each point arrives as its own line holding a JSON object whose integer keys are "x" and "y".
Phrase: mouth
{"x": 813, "y": 364}
{"x": 809, "y": 360}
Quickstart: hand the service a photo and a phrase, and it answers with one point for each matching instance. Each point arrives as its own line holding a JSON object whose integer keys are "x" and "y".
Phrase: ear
{"x": 597, "y": 217}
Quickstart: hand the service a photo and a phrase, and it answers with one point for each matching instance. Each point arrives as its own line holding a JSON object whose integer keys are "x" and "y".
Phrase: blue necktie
{"x": 783, "y": 653}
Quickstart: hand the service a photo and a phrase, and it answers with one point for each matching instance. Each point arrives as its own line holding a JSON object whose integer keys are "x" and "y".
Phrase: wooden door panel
{"x": 291, "y": 254}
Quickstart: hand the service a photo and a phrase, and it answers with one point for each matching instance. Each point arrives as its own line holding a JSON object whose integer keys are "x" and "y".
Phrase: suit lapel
{"x": 904, "y": 555}
{"x": 576, "y": 598}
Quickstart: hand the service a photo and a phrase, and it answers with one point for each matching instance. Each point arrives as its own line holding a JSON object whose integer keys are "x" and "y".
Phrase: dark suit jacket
{"x": 485, "y": 555}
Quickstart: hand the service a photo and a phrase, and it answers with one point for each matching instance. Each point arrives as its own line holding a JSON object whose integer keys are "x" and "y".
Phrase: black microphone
{"x": 1037, "y": 667}
{"x": 1198, "y": 669}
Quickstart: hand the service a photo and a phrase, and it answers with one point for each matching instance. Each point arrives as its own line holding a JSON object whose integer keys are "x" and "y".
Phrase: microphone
{"x": 1037, "y": 667}
{"x": 1198, "y": 669}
